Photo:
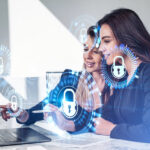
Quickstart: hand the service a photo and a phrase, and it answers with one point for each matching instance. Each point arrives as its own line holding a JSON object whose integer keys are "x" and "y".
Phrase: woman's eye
{"x": 85, "y": 49}
{"x": 107, "y": 41}
{"x": 96, "y": 52}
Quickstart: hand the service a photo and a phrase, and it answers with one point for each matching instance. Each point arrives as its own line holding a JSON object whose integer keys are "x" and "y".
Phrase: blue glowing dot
{"x": 46, "y": 101}
{"x": 98, "y": 28}
{"x": 99, "y": 40}
{"x": 95, "y": 30}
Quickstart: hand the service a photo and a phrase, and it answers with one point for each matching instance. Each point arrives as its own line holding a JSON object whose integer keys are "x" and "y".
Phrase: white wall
{"x": 39, "y": 42}
{"x": 39, "y": 34}
{"x": 95, "y": 8}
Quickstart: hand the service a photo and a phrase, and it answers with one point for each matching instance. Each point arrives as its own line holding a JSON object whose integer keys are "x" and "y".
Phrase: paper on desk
{"x": 82, "y": 140}
{"x": 36, "y": 147}
{"x": 78, "y": 140}
{"x": 51, "y": 126}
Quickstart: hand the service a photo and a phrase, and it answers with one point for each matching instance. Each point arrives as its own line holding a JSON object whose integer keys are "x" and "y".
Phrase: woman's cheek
{"x": 110, "y": 60}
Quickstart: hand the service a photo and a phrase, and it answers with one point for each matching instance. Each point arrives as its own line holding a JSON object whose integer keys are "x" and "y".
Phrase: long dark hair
{"x": 129, "y": 30}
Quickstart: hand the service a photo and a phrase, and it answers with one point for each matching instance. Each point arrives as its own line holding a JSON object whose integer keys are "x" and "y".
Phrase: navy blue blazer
{"x": 129, "y": 108}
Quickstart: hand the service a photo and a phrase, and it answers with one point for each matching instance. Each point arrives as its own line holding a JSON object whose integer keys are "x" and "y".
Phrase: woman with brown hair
{"x": 126, "y": 115}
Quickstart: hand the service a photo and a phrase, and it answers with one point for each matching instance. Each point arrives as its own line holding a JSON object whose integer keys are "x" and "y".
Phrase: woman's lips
{"x": 89, "y": 64}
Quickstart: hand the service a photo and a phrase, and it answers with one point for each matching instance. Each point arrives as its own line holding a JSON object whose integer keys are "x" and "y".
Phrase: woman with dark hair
{"x": 126, "y": 114}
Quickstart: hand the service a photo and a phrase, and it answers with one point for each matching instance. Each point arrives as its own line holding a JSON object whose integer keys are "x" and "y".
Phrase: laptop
{"x": 24, "y": 135}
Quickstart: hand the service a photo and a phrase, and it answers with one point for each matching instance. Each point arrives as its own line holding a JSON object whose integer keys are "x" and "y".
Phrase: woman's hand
{"x": 23, "y": 116}
{"x": 58, "y": 117}
{"x": 4, "y": 111}
{"x": 103, "y": 126}
{"x": 7, "y": 113}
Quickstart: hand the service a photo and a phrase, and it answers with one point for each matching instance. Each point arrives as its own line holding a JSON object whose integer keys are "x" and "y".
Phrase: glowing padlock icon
{"x": 82, "y": 35}
{"x": 118, "y": 71}
{"x": 69, "y": 105}
{"x": 1, "y": 65}
{"x": 14, "y": 103}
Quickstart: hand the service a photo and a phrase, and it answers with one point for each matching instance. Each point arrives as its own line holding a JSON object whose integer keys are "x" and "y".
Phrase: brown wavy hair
{"x": 129, "y": 30}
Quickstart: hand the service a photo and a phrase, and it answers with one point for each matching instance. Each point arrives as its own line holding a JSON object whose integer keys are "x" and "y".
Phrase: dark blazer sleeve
{"x": 139, "y": 132}
{"x": 33, "y": 117}
{"x": 81, "y": 119}
{"x": 107, "y": 110}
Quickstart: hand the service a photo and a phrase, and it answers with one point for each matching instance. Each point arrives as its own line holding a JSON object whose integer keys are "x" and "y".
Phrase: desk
{"x": 86, "y": 141}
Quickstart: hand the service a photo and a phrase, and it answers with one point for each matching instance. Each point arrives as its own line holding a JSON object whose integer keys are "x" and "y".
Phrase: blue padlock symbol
{"x": 14, "y": 103}
{"x": 82, "y": 35}
{"x": 118, "y": 71}
{"x": 69, "y": 105}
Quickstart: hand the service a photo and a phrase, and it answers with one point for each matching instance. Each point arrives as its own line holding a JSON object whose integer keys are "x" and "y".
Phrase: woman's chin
{"x": 90, "y": 70}
{"x": 109, "y": 62}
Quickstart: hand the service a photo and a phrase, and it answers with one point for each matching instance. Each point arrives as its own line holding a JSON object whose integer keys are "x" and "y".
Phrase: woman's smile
{"x": 92, "y": 58}
{"x": 89, "y": 64}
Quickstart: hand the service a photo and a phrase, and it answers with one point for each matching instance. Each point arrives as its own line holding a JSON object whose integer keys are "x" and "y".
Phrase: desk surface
{"x": 86, "y": 141}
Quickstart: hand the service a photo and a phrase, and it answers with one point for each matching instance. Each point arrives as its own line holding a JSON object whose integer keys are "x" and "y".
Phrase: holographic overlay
{"x": 4, "y": 60}
{"x": 15, "y": 99}
{"x": 96, "y": 42}
{"x": 97, "y": 39}
{"x": 84, "y": 88}
{"x": 114, "y": 81}
{"x": 65, "y": 82}
{"x": 91, "y": 104}
{"x": 69, "y": 105}
{"x": 80, "y": 25}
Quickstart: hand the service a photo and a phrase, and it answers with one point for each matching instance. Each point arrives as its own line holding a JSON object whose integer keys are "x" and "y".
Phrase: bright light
{"x": 39, "y": 42}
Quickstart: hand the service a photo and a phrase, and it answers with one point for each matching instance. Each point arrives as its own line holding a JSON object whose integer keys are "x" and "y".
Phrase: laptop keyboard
{"x": 6, "y": 136}
{"x": 21, "y": 136}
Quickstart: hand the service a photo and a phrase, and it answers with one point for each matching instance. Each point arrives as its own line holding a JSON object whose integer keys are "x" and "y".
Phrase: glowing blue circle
{"x": 80, "y": 25}
{"x": 70, "y": 80}
{"x": 119, "y": 84}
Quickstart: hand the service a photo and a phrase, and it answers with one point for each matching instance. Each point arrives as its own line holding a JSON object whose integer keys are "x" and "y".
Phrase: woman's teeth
{"x": 90, "y": 64}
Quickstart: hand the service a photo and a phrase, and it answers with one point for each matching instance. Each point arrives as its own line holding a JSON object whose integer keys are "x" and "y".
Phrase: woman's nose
{"x": 89, "y": 55}
{"x": 102, "y": 48}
